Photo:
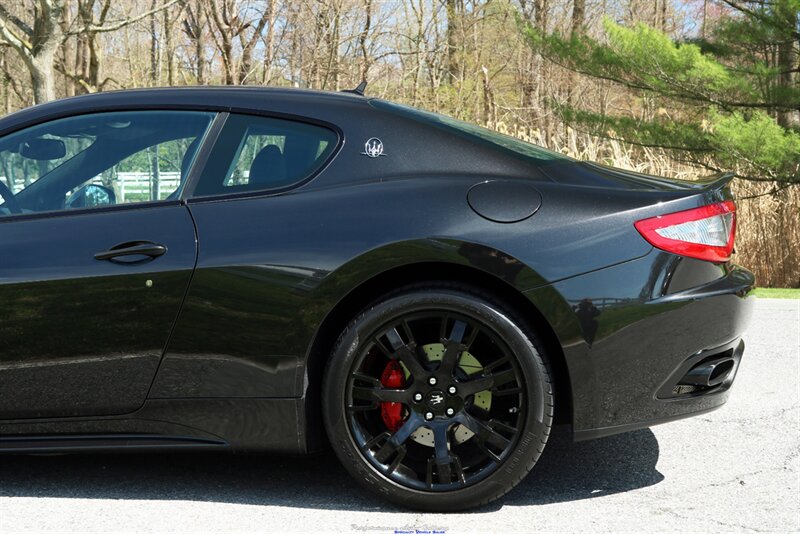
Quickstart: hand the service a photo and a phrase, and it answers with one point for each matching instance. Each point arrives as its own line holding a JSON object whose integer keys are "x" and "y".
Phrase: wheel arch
{"x": 373, "y": 287}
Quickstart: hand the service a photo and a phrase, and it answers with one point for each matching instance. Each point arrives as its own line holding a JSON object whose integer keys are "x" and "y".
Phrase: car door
{"x": 96, "y": 255}
{"x": 237, "y": 334}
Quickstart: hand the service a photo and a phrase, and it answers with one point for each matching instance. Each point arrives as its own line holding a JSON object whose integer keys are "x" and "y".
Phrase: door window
{"x": 99, "y": 160}
{"x": 262, "y": 153}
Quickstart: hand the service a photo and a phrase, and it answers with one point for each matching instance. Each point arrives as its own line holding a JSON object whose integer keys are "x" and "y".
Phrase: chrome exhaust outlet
{"x": 709, "y": 373}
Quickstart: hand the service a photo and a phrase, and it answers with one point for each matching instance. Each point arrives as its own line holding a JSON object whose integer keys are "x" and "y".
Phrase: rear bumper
{"x": 682, "y": 405}
{"x": 639, "y": 328}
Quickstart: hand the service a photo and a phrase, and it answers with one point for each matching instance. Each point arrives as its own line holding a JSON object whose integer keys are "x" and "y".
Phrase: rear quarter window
{"x": 256, "y": 153}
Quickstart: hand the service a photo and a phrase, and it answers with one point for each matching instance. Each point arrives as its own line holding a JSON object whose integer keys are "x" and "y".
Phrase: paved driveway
{"x": 735, "y": 469}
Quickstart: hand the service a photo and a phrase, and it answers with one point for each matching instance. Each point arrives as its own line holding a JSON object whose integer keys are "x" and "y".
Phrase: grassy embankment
{"x": 777, "y": 293}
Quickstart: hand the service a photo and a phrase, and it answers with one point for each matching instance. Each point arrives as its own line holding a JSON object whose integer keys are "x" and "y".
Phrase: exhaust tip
{"x": 709, "y": 373}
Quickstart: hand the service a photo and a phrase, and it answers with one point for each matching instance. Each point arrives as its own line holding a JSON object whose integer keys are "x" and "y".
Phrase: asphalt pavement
{"x": 735, "y": 469}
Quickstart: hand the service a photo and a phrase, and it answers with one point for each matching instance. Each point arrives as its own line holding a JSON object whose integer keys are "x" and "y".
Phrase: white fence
{"x": 132, "y": 185}
{"x": 140, "y": 184}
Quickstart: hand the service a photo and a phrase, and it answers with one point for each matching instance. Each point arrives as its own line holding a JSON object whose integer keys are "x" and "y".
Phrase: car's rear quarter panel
{"x": 634, "y": 331}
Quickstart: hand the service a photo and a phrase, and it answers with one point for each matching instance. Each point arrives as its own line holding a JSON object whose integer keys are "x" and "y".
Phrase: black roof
{"x": 305, "y": 102}
{"x": 415, "y": 144}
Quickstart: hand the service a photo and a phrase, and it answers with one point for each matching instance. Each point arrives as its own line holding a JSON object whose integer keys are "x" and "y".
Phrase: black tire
{"x": 478, "y": 443}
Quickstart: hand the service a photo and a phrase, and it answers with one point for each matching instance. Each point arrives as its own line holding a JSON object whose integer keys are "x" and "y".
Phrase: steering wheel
{"x": 11, "y": 201}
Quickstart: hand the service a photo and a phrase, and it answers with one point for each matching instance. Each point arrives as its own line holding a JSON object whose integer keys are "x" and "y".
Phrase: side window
{"x": 154, "y": 173}
{"x": 99, "y": 160}
{"x": 263, "y": 153}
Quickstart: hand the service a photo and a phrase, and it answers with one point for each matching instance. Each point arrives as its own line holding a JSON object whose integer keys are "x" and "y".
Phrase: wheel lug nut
{"x": 417, "y": 397}
{"x": 450, "y": 411}
{"x": 432, "y": 381}
{"x": 452, "y": 390}
{"x": 428, "y": 416}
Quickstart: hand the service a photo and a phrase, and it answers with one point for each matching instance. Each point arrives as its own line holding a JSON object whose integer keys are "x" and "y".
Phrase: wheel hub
{"x": 468, "y": 365}
{"x": 436, "y": 401}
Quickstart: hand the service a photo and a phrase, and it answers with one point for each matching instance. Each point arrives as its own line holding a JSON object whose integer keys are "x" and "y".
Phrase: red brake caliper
{"x": 392, "y": 412}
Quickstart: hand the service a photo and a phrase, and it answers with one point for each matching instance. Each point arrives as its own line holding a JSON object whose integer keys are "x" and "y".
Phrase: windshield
{"x": 473, "y": 132}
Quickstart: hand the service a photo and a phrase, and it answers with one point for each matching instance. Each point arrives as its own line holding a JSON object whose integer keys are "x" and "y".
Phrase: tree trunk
{"x": 362, "y": 39}
{"x": 578, "y": 26}
{"x": 787, "y": 62}
{"x": 489, "y": 108}
{"x": 6, "y": 83}
{"x": 45, "y": 40}
{"x": 155, "y": 49}
{"x": 705, "y": 16}
{"x": 170, "y": 48}
{"x": 224, "y": 18}
{"x": 67, "y": 56}
{"x": 42, "y": 77}
{"x": 249, "y": 44}
{"x": 269, "y": 43}
{"x": 195, "y": 28}
{"x": 540, "y": 21}
{"x": 453, "y": 67}
{"x": 578, "y": 16}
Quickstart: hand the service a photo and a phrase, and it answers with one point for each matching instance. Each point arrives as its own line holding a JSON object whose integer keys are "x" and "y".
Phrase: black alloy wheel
{"x": 438, "y": 398}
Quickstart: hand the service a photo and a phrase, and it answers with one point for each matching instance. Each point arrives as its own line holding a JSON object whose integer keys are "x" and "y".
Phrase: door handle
{"x": 136, "y": 248}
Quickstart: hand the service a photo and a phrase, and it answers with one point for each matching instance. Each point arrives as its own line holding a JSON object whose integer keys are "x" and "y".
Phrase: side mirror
{"x": 90, "y": 196}
{"x": 42, "y": 149}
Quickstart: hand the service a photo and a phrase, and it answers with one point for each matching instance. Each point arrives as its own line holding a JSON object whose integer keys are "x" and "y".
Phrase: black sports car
{"x": 253, "y": 269}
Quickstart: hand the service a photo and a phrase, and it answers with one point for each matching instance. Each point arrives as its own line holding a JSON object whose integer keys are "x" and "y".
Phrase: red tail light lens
{"x": 705, "y": 233}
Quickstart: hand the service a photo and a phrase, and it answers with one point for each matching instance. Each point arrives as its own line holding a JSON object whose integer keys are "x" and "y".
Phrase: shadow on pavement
{"x": 567, "y": 471}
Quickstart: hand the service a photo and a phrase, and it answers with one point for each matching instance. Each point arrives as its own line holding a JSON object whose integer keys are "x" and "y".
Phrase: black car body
{"x": 215, "y": 332}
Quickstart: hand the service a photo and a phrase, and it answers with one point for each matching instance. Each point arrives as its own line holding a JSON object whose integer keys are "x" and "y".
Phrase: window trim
{"x": 203, "y": 153}
{"x": 191, "y": 185}
{"x": 208, "y": 140}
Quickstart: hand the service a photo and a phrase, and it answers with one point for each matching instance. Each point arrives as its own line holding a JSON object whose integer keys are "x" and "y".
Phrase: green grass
{"x": 777, "y": 293}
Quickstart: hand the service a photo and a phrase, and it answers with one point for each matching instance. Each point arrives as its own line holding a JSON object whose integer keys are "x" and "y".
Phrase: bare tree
{"x": 231, "y": 23}
{"x": 194, "y": 26}
{"x": 37, "y": 42}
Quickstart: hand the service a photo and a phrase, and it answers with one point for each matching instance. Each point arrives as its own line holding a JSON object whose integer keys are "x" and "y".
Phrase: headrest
{"x": 268, "y": 167}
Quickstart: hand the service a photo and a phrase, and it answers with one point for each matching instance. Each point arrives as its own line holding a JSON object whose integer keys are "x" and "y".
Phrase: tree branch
{"x": 13, "y": 40}
{"x": 103, "y": 28}
{"x": 24, "y": 28}
{"x": 761, "y": 17}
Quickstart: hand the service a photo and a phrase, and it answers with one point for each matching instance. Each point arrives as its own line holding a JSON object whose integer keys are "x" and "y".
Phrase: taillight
{"x": 705, "y": 233}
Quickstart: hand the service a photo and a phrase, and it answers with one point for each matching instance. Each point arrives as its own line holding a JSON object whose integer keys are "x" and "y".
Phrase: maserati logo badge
{"x": 373, "y": 148}
{"x": 436, "y": 399}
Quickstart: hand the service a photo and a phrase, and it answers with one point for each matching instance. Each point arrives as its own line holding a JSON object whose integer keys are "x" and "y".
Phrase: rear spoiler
{"x": 716, "y": 181}
{"x": 716, "y": 186}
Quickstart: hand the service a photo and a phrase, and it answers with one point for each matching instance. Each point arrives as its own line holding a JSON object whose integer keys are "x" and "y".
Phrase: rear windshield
{"x": 473, "y": 132}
